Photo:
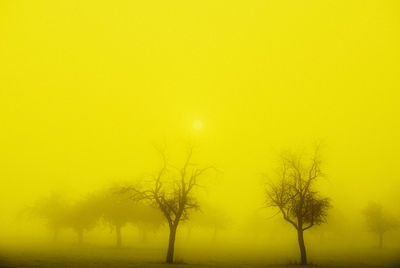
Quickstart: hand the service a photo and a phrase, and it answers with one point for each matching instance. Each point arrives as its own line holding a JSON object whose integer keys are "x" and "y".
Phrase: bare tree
{"x": 172, "y": 192}
{"x": 294, "y": 194}
{"x": 378, "y": 221}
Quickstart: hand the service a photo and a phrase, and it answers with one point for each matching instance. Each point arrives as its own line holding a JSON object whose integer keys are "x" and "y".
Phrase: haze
{"x": 90, "y": 89}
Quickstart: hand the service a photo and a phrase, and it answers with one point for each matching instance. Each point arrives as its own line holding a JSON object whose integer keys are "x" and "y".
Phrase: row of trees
{"x": 108, "y": 206}
{"x": 112, "y": 209}
{"x": 169, "y": 197}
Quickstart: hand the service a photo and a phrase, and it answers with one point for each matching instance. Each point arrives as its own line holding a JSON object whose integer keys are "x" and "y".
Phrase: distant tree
{"x": 254, "y": 224}
{"x": 378, "y": 221}
{"x": 53, "y": 210}
{"x": 212, "y": 218}
{"x": 294, "y": 195}
{"x": 83, "y": 216}
{"x": 172, "y": 192}
{"x": 116, "y": 210}
{"x": 147, "y": 219}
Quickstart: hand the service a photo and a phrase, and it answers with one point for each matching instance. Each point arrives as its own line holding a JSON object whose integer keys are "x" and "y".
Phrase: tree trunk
{"x": 380, "y": 240}
{"x": 171, "y": 243}
{"x": 118, "y": 233}
{"x": 80, "y": 237}
{"x": 303, "y": 253}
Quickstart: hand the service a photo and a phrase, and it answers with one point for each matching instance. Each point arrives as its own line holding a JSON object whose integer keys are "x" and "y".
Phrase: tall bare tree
{"x": 378, "y": 221}
{"x": 172, "y": 192}
{"x": 294, "y": 195}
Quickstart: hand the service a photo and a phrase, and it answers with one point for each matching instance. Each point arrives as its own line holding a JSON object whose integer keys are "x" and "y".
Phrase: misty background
{"x": 87, "y": 89}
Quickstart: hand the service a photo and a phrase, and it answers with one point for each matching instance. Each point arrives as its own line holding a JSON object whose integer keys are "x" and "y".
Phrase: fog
{"x": 96, "y": 97}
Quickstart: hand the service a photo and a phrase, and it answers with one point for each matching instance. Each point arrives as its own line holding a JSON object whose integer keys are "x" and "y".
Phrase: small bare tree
{"x": 378, "y": 221}
{"x": 172, "y": 192}
{"x": 294, "y": 194}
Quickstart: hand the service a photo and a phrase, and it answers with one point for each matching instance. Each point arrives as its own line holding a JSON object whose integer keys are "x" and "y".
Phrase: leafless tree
{"x": 294, "y": 195}
{"x": 378, "y": 221}
{"x": 172, "y": 192}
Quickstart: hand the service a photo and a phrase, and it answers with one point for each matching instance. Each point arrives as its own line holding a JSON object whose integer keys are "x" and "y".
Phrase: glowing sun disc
{"x": 197, "y": 125}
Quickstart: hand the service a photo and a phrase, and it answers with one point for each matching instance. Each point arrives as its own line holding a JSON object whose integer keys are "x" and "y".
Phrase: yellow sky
{"x": 86, "y": 88}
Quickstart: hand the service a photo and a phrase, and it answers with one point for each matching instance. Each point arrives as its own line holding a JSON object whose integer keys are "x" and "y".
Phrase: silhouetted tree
{"x": 378, "y": 221}
{"x": 172, "y": 193}
{"x": 294, "y": 194}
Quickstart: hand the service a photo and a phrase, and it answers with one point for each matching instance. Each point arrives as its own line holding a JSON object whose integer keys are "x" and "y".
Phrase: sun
{"x": 197, "y": 124}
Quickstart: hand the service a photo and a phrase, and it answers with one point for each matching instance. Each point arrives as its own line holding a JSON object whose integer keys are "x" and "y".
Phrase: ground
{"x": 153, "y": 258}
{"x": 64, "y": 261}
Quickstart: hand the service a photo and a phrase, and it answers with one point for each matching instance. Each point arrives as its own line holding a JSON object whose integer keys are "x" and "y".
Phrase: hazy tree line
{"x": 107, "y": 207}
{"x": 168, "y": 198}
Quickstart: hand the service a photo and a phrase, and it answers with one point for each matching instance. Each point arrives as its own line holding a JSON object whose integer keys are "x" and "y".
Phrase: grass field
{"x": 152, "y": 258}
